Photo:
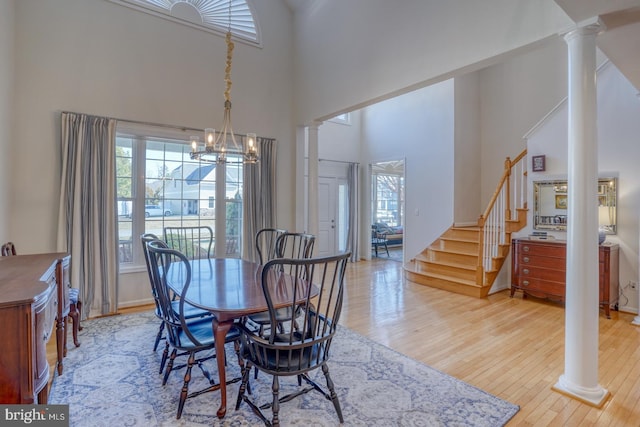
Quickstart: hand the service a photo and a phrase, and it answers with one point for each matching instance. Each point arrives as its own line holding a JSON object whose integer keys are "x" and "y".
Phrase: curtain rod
{"x": 138, "y": 122}
{"x": 338, "y": 161}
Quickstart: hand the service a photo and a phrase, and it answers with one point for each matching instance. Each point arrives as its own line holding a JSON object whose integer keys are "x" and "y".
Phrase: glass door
{"x": 387, "y": 207}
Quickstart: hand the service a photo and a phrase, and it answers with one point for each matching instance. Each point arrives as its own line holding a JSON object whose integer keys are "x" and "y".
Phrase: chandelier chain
{"x": 227, "y": 69}
{"x": 218, "y": 145}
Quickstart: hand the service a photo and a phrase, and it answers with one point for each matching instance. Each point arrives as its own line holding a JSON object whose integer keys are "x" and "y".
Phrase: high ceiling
{"x": 296, "y": 4}
{"x": 620, "y": 40}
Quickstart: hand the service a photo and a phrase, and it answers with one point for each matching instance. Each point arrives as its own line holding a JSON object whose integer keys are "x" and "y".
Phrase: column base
{"x": 591, "y": 396}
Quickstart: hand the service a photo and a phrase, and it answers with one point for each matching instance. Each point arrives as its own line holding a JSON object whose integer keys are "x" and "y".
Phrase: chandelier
{"x": 217, "y": 146}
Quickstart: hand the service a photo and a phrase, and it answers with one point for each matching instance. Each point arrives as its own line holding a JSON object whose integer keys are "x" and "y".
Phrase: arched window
{"x": 209, "y": 15}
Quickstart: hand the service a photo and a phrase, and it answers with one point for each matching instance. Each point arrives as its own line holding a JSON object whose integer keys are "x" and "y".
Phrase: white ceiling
{"x": 296, "y": 4}
{"x": 620, "y": 41}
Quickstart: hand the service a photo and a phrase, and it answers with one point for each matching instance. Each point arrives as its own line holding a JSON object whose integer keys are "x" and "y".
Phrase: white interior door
{"x": 326, "y": 242}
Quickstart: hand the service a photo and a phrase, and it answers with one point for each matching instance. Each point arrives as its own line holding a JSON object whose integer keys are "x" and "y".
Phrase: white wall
{"x": 467, "y": 169}
{"x": 350, "y": 54}
{"x": 419, "y": 128}
{"x": 618, "y": 154}
{"x": 515, "y": 94}
{"x": 98, "y": 57}
{"x": 6, "y": 116}
{"x": 340, "y": 141}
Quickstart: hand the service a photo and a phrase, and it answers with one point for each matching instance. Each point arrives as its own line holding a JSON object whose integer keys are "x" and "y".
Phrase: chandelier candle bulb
{"x": 209, "y": 137}
{"x": 194, "y": 144}
{"x": 251, "y": 143}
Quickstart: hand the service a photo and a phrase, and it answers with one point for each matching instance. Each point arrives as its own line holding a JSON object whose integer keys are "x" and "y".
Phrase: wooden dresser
{"x": 29, "y": 306}
{"x": 538, "y": 268}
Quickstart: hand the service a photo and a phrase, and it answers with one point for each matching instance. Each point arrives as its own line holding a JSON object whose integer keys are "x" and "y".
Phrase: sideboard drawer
{"x": 547, "y": 250}
{"x": 542, "y": 261}
{"x": 528, "y": 271}
{"x": 543, "y": 288}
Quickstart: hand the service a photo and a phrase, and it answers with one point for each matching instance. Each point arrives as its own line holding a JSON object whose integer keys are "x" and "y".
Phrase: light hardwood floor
{"x": 510, "y": 347}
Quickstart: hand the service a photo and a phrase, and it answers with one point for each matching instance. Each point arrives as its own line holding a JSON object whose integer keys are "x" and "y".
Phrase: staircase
{"x": 467, "y": 260}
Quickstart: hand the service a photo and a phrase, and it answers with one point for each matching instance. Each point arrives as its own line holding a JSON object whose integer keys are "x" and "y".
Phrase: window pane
{"x": 175, "y": 191}
{"x": 124, "y": 191}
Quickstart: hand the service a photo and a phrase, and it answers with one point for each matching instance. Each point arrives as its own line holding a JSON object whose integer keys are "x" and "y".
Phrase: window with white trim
{"x": 209, "y": 15}
{"x": 344, "y": 119}
{"x": 158, "y": 185}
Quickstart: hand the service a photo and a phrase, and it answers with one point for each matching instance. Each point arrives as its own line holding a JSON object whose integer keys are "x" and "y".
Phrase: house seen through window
{"x": 158, "y": 185}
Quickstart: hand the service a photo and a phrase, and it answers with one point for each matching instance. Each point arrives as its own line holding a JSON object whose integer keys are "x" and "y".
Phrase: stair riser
{"x": 452, "y": 257}
{"x": 458, "y": 233}
{"x": 459, "y": 246}
{"x": 447, "y": 285}
{"x": 448, "y": 270}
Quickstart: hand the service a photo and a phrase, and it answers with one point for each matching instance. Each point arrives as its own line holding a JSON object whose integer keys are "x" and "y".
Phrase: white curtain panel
{"x": 87, "y": 226}
{"x": 259, "y": 204}
{"x": 353, "y": 188}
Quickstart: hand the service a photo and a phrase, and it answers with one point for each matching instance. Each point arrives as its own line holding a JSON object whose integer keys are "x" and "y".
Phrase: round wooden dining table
{"x": 230, "y": 288}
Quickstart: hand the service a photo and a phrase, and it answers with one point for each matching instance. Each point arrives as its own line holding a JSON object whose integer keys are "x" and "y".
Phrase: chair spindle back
{"x": 266, "y": 243}
{"x": 193, "y": 242}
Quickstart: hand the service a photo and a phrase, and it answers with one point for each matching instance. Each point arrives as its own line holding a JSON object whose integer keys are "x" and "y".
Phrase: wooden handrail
{"x": 519, "y": 157}
{"x": 490, "y": 238}
{"x": 505, "y": 175}
{"x": 496, "y": 193}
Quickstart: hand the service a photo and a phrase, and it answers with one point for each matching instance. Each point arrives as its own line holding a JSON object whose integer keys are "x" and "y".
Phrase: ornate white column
{"x": 312, "y": 162}
{"x": 580, "y": 378}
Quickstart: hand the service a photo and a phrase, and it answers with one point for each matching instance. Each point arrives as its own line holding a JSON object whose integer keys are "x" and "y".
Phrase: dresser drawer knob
{"x": 525, "y": 248}
{"x": 525, "y": 259}
{"x": 525, "y": 271}
{"x": 525, "y": 283}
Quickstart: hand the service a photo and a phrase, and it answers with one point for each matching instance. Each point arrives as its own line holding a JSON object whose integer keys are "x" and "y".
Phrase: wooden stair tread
{"x": 458, "y": 239}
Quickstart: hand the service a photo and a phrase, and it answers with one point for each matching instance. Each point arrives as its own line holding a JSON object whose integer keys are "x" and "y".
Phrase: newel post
{"x": 480, "y": 265}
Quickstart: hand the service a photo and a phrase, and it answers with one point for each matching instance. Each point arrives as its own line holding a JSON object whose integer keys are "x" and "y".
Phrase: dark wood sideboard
{"x": 31, "y": 303}
{"x": 538, "y": 268}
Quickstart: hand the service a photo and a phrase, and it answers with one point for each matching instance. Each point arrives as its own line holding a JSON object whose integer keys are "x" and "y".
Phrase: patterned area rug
{"x": 112, "y": 380}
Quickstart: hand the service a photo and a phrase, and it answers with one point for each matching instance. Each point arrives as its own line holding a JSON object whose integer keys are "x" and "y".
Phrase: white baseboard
{"x": 136, "y": 303}
{"x": 495, "y": 289}
{"x": 626, "y": 309}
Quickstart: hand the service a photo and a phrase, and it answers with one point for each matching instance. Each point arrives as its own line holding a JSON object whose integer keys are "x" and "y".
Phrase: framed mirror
{"x": 550, "y": 205}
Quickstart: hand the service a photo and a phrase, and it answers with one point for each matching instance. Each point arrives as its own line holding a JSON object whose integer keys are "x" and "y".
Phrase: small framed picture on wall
{"x": 538, "y": 163}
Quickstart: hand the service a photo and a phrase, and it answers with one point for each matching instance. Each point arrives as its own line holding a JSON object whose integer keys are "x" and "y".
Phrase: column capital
{"x": 591, "y": 26}
{"x": 315, "y": 124}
